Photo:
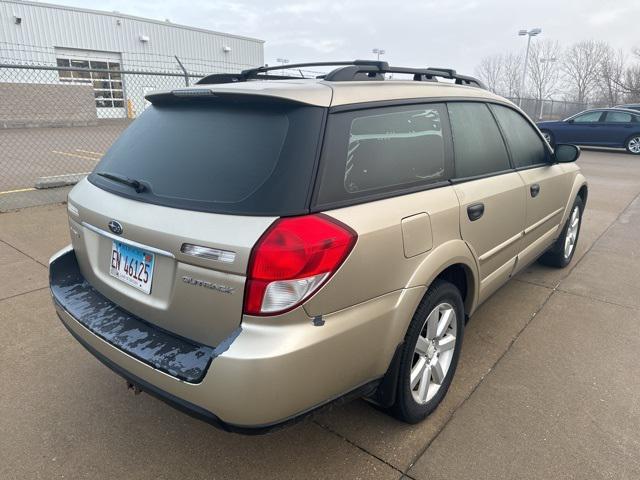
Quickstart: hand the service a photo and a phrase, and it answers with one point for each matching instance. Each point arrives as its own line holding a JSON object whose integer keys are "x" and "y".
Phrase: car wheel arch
{"x": 579, "y": 188}
{"x": 461, "y": 272}
{"x": 583, "y": 193}
{"x": 452, "y": 261}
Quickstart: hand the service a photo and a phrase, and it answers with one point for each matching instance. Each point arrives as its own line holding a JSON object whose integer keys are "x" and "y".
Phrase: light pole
{"x": 545, "y": 60}
{"x": 379, "y": 51}
{"x": 530, "y": 33}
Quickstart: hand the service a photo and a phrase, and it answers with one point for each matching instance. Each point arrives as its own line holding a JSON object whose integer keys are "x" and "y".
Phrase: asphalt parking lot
{"x": 547, "y": 387}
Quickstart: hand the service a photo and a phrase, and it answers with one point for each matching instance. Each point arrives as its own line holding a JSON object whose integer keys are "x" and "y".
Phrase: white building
{"x": 37, "y": 33}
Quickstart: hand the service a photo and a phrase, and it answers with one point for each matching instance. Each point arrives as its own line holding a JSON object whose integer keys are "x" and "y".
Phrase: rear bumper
{"x": 183, "y": 359}
{"x": 263, "y": 376}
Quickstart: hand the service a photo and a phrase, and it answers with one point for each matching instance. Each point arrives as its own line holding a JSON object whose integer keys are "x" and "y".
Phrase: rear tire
{"x": 633, "y": 145}
{"x": 430, "y": 353}
{"x": 561, "y": 253}
{"x": 548, "y": 136}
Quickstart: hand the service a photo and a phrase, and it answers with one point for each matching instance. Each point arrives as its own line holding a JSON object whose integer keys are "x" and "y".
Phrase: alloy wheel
{"x": 634, "y": 145}
{"x": 572, "y": 232}
{"x": 433, "y": 353}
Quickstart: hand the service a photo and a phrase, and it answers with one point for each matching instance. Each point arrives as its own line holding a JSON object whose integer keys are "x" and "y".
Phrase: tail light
{"x": 292, "y": 260}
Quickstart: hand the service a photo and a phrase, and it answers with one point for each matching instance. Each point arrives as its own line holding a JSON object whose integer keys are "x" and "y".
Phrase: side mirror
{"x": 565, "y": 153}
{"x": 570, "y": 120}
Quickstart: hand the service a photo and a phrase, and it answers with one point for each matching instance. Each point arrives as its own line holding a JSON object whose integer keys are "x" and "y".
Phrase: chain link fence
{"x": 549, "y": 109}
{"x": 56, "y": 122}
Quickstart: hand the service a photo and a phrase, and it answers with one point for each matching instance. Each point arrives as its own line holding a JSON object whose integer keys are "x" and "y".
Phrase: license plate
{"x": 132, "y": 265}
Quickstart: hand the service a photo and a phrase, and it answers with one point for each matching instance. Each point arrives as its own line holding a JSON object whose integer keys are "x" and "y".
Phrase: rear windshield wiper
{"x": 132, "y": 182}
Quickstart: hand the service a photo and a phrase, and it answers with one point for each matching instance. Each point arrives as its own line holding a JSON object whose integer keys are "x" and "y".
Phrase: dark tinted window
{"x": 618, "y": 117}
{"x": 384, "y": 149}
{"x": 477, "y": 142}
{"x": 228, "y": 157}
{"x": 525, "y": 144}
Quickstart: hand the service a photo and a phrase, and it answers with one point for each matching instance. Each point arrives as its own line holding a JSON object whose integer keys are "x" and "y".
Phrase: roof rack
{"x": 354, "y": 70}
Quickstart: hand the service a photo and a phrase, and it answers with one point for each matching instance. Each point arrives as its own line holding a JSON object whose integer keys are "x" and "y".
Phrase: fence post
{"x": 184, "y": 70}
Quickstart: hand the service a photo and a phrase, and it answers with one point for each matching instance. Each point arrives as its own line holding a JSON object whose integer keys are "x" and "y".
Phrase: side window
{"x": 590, "y": 117}
{"x": 618, "y": 117}
{"x": 384, "y": 149}
{"x": 525, "y": 144}
{"x": 477, "y": 143}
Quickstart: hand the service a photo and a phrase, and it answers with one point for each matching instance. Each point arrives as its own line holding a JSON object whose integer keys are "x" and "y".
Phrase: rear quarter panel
{"x": 378, "y": 263}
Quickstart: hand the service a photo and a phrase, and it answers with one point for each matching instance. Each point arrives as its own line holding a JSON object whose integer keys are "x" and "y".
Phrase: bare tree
{"x": 581, "y": 67}
{"x": 501, "y": 73}
{"x": 511, "y": 75}
{"x": 490, "y": 72}
{"x": 631, "y": 84}
{"x": 629, "y": 80}
{"x": 543, "y": 68}
{"x": 612, "y": 71}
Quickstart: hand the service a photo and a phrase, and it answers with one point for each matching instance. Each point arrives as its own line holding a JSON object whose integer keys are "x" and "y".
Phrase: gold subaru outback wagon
{"x": 256, "y": 246}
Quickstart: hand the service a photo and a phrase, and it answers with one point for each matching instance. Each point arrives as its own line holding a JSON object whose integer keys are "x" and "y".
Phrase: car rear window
{"x": 245, "y": 156}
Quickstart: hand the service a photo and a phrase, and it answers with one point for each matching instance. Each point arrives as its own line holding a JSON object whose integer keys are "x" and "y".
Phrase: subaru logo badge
{"x": 115, "y": 227}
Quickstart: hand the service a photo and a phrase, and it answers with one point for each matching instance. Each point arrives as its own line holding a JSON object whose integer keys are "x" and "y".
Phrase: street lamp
{"x": 530, "y": 33}
{"x": 379, "y": 51}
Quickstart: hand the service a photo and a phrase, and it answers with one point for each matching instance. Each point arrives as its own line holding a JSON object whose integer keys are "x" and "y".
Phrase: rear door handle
{"x": 475, "y": 211}
{"x": 535, "y": 190}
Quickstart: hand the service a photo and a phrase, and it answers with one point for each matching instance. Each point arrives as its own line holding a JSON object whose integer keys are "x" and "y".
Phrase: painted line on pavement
{"x": 75, "y": 155}
{"x": 17, "y": 190}
{"x": 89, "y": 152}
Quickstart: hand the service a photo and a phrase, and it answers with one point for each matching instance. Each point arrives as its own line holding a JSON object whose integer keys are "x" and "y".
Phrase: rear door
{"x": 165, "y": 224}
{"x": 490, "y": 192}
{"x": 618, "y": 127}
{"x": 547, "y": 186}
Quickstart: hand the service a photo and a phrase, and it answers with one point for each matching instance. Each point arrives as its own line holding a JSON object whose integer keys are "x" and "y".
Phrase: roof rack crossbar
{"x": 347, "y": 71}
{"x": 259, "y": 72}
{"x": 254, "y": 71}
{"x": 419, "y": 74}
{"x": 217, "y": 78}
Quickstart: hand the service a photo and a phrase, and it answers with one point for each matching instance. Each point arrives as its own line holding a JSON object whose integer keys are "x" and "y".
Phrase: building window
{"x": 107, "y": 85}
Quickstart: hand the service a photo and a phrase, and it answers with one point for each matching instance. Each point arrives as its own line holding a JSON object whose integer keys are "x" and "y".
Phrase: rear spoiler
{"x": 208, "y": 94}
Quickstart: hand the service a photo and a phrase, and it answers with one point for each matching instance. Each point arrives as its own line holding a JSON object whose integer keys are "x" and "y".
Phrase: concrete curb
{"x": 59, "y": 180}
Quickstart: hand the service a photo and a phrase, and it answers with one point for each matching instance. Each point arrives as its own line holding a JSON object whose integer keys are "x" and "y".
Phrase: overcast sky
{"x": 441, "y": 33}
